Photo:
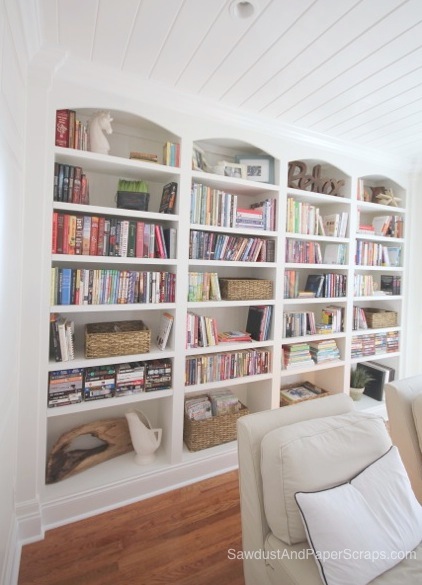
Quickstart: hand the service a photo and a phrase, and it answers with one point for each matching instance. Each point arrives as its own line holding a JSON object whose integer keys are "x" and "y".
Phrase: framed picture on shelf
{"x": 198, "y": 158}
{"x": 230, "y": 169}
{"x": 258, "y": 167}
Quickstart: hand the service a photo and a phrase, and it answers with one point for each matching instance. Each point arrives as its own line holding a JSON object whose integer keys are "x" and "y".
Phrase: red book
{"x": 66, "y": 234}
{"x": 93, "y": 243}
{"x": 101, "y": 229}
{"x": 60, "y": 229}
{"x": 84, "y": 190}
{"x": 139, "y": 244}
{"x": 63, "y": 130}
{"x": 54, "y": 233}
{"x": 159, "y": 242}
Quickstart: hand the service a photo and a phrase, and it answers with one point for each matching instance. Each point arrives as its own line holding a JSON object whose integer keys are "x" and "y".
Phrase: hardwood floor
{"x": 181, "y": 537}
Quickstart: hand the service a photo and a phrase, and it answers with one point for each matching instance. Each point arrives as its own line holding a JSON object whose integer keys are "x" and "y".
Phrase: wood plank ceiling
{"x": 350, "y": 69}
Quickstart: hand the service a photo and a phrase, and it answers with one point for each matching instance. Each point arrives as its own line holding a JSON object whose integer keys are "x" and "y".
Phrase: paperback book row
{"x": 298, "y": 324}
{"x": 214, "y": 403}
{"x": 300, "y": 355}
{"x": 218, "y": 208}
{"x": 202, "y": 331}
{"x": 317, "y": 285}
{"x": 383, "y": 225}
{"x": 74, "y": 286}
{"x": 374, "y": 254}
{"x": 305, "y": 218}
{"x": 88, "y": 235}
{"x": 203, "y": 369}
{"x": 302, "y": 252}
{"x": 212, "y": 246}
{"x": 71, "y": 184}
{"x": 99, "y": 382}
{"x": 375, "y": 343}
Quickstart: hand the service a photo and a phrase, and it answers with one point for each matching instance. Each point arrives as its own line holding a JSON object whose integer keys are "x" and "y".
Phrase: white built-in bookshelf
{"x": 120, "y": 479}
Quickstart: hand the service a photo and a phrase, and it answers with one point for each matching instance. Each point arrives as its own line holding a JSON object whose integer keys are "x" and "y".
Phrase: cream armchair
{"x": 404, "y": 408}
{"x": 322, "y": 443}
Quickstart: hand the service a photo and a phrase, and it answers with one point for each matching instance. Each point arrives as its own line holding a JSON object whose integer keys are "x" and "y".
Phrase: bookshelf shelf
{"x": 110, "y": 260}
{"x": 108, "y": 403}
{"x": 113, "y": 211}
{"x": 112, "y": 308}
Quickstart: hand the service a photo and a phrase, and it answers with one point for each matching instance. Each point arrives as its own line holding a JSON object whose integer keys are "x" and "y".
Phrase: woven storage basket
{"x": 376, "y": 318}
{"x": 201, "y": 434}
{"x": 238, "y": 289}
{"x": 116, "y": 338}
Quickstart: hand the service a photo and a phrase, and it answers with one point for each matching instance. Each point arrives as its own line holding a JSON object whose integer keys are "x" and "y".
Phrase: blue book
{"x": 66, "y": 286}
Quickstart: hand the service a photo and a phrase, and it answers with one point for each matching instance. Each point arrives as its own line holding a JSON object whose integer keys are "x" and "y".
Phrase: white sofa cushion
{"x": 310, "y": 456}
{"x": 361, "y": 529}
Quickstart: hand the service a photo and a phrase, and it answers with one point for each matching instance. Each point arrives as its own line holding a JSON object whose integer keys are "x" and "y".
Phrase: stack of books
{"x": 324, "y": 350}
{"x": 297, "y": 355}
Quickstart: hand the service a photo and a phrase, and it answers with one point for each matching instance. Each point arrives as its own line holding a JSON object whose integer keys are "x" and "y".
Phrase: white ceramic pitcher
{"x": 145, "y": 440}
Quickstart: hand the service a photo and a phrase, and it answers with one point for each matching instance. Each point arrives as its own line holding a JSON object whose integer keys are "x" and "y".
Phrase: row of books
{"x": 62, "y": 338}
{"x": 88, "y": 235}
{"x": 214, "y": 403}
{"x": 70, "y": 132}
{"x": 212, "y": 246}
{"x": 79, "y": 286}
{"x": 300, "y": 323}
{"x": 201, "y": 331}
{"x": 70, "y": 184}
{"x": 301, "y": 252}
{"x": 85, "y": 384}
{"x": 216, "y": 207}
{"x": 304, "y": 218}
{"x": 303, "y": 354}
{"x": 383, "y": 225}
{"x": 203, "y": 286}
{"x": 375, "y": 343}
{"x": 374, "y": 254}
{"x": 171, "y": 154}
{"x": 229, "y": 365}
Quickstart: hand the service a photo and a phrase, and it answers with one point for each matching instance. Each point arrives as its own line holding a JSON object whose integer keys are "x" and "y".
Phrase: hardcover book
{"x": 168, "y": 198}
{"x": 164, "y": 329}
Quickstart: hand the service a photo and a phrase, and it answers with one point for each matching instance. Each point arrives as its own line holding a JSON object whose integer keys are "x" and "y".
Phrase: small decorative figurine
{"x": 99, "y": 123}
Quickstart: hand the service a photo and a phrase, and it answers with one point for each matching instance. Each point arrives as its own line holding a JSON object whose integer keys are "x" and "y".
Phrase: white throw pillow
{"x": 360, "y": 529}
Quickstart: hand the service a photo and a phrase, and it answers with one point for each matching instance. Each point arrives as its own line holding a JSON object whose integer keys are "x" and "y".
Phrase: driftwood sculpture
{"x": 64, "y": 461}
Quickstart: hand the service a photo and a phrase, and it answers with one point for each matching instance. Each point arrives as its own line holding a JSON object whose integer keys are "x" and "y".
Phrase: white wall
{"x": 12, "y": 140}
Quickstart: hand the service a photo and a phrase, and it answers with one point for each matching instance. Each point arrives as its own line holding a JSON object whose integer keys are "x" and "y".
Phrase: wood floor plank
{"x": 181, "y": 537}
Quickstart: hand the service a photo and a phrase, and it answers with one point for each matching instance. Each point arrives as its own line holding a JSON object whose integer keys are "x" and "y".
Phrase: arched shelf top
{"x": 380, "y": 189}
{"x": 131, "y": 133}
{"x": 318, "y": 176}
{"x": 235, "y": 158}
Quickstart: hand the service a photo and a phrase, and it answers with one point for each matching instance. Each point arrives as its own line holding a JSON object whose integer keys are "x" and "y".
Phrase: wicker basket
{"x": 201, "y": 434}
{"x": 238, "y": 289}
{"x": 377, "y": 318}
{"x": 116, "y": 338}
{"x": 286, "y": 400}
